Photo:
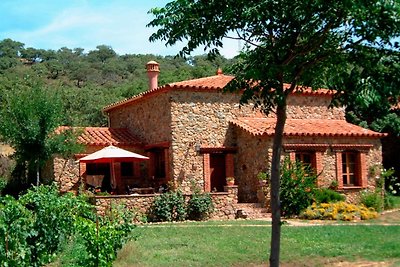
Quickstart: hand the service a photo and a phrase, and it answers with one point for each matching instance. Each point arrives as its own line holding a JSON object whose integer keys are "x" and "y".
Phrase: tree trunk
{"x": 275, "y": 184}
{"x": 37, "y": 175}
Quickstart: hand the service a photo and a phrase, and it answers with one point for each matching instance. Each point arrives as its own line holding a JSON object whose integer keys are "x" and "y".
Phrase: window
{"x": 97, "y": 168}
{"x": 350, "y": 166}
{"x": 307, "y": 158}
{"x": 127, "y": 169}
{"x": 159, "y": 163}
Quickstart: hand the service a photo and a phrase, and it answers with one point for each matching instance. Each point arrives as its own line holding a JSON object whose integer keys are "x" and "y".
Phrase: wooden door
{"x": 217, "y": 172}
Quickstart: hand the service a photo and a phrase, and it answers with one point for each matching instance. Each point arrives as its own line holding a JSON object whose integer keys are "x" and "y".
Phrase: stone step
{"x": 251, "y": 211}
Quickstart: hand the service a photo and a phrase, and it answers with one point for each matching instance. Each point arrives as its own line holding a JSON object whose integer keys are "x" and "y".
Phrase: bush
{"x": 326, "y": 195}
{"x": 104, "y": 237}
{"x": 199, "y": 206}
{"x": 338, "y": 211}
{"x": 372, "y": 199}
{"x": 54, "y": 218}
{"x": 36, "y": 227}
{"x": 168, "y": 207}
{"x": 16, "y": 228}
{"x": 298, "y": 183}
{"x": 375, "y": 199}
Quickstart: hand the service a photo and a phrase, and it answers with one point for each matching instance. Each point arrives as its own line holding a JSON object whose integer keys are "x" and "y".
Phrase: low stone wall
{"x": 223, "y": 203}
{"x": 352, "y": 195}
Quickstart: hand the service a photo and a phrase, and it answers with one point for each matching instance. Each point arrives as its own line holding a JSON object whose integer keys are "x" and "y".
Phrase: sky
{"x": 121, "y": 24}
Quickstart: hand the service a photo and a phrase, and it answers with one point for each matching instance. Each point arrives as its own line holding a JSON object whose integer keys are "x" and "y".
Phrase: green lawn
{"x": 242, "y": 243}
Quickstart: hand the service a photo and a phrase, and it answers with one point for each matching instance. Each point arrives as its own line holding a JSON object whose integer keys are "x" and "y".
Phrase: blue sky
{"x": 52, "y": 24}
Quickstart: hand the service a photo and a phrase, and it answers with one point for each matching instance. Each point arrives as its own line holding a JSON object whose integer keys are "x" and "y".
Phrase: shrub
{"x": 338, "y": 211}
{"x": 54, "y": 218}
{"x": 16, "y": 228}
{"x": 297, "y": 186}
{"x": 392, "y": 183}
{"x": 326, "y": 195}
{"x": 372, "y": 199}
{"x": 199, "y": 206}
{"x": 42, "y": 221}
{"x": 168, "y": 207}
{"x": 105, "y": 236}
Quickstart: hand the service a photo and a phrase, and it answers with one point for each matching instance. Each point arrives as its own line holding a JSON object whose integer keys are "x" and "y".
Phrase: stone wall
{"x": 66, "y": 173}
{"x": 312, "y": 107}
{"x": 254, "y": 155}
{"x": 149, "y": 119}
{"x": 200, "y": 119}
{"x": 223, "y": 203}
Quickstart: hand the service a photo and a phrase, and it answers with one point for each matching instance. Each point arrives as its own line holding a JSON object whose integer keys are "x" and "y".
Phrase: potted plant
{"x": 262, "y": 178}
{"x": 230, "y": 181}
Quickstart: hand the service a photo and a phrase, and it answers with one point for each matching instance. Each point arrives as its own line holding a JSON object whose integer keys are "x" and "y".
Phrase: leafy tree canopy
{"x": 88, "y": 81}
{"x": 29, "y": 116}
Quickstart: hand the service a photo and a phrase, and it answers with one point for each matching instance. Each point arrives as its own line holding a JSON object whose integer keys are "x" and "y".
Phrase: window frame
{"x": 348, "y": 158}
{"x": 299, "y": 156}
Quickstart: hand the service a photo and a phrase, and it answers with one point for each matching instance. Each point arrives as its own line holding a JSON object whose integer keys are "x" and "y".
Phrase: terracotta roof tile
{"x": 304, "y": 127}
{"x": 211, "y": 83}
{"x": 104, "y": 136}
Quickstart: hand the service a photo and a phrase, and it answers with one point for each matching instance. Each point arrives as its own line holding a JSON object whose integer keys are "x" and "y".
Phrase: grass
{"x": 396, "y": 201}
{"x": 242, "y": 243}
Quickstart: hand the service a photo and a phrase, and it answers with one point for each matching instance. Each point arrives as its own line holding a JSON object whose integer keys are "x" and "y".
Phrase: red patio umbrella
{"x": 110, "y": 155}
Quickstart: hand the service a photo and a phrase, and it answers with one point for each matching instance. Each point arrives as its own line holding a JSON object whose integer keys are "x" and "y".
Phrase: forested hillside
{"x": 86, "y": 81}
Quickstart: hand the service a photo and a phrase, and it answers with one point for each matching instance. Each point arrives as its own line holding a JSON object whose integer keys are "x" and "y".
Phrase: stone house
{"x": 194, "y": 133}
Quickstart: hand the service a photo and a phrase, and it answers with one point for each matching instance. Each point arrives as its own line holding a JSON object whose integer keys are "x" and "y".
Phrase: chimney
{"x": 152, "y": 72}
{"x": 219, "y": 71}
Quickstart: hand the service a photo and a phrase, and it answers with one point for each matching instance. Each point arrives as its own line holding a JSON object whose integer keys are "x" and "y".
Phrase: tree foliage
{"x": 88, "y": 81}
{"x": 29, "y": 115}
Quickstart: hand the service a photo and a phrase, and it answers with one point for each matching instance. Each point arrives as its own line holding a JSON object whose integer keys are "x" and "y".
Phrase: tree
{"x": 9, "y": 53}
{"x": 29, "y": 115}
{"x": 288, "y": 43}
{"x": 102, "y": 54}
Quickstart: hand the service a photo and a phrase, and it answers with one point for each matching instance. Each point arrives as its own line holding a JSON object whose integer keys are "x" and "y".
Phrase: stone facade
{"x": 149, "y": 119}
{"x": 259, "y": 150}
{"x": 66, "y": 174}
{"x": 200, "y": 119}
{"x": 196, "y": 125}
{"x": 306, "y": 106}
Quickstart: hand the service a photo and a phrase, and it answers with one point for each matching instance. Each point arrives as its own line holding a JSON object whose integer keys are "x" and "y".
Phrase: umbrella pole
{"x": 113, "y": 178}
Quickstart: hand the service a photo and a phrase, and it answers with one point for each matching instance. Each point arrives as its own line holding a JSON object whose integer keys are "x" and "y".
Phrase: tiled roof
{"x": 216, "y": 82}
{"x": 104, "y": 136}
{"x": 304, "y": 127}
{"x": 211, "y": 83}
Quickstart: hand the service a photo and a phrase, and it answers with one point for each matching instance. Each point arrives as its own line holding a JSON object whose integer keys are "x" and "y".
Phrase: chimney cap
{"x": 219, "y": 71}
{"x": 152, "y": 62}
{"x": 152, "y": 66}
